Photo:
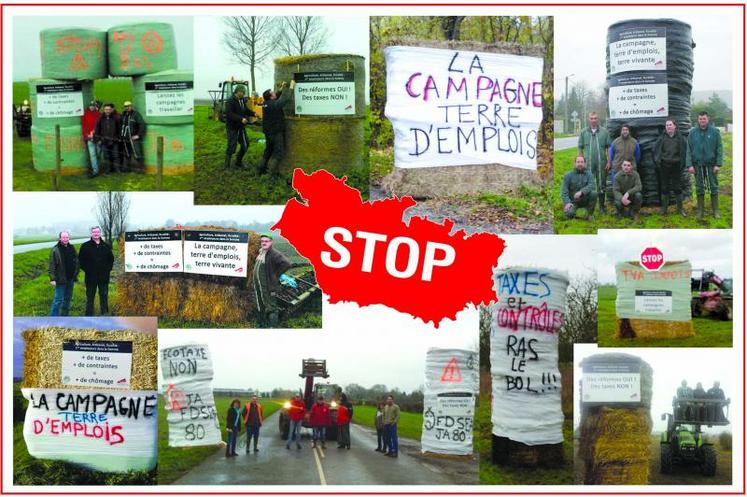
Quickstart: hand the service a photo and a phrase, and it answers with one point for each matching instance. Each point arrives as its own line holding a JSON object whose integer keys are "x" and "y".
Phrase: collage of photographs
{"x": 166, "y": 332}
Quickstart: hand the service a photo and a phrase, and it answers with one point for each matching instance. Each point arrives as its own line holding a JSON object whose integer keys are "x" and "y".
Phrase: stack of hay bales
{"x": 615, "y": 439}
{"x": 189, "y": 296}
{"x": 71, "y": 58}
{"x": 161, "y": 94}
{"x": 654, "y": 304}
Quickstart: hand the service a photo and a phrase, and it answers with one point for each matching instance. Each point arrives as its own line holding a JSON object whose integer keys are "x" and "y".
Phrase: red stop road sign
{"x": 652, "y": 259}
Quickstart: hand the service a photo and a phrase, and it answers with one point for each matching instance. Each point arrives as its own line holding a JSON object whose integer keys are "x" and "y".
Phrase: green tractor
{"x": 683, "y": 443}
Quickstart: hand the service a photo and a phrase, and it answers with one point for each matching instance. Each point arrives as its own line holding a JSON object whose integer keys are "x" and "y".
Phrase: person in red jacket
{"x": 320, "y": 419}
{"x": 295, "y": 413}
{"x": 88, "y": 122}
{"x": 343, "y": 427}
{"x": 253, "y": 419}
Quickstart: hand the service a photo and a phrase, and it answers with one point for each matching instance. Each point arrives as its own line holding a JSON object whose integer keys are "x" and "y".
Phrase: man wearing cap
{"x": 238, "y": 113}
{"x": 273, "y": 126}
{"x": 106, "y": 134}
{"x": 132, "y": 131}
{"x": 268, "y": 267}
{"x": 88, "y": 123}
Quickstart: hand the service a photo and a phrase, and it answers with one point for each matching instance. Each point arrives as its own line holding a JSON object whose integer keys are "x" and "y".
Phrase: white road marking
{"x": 322, "y": 480}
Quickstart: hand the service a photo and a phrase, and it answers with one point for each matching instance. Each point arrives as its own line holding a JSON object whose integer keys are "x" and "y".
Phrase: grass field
{"x": 26, "y": 178}
{"x": 215, "y": 185}
{"x": 410, "y": 423}
{"x": 173, "y": 462}
{"x": 650, "y": 217}
{"x": 709, "y": 332}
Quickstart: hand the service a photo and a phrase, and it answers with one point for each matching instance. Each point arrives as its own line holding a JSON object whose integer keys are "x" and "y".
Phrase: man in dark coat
{"x": 716, "y": 410}
{"x": 670, "y": 154}
{"x": 131, "y": 133}
{"x": 238, "y": 112}
{"x": 273, "y": 126}
{"x": 107, "y": 134}
{"x": 704, "y": 159}
{"x": 63, "y": 273}
{"x": 268, "y": 267}
{"x": 96, "y": 260}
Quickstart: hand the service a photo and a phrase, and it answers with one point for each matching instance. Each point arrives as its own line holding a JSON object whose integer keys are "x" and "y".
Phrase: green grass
{"x": 650, "y": 217}
{"x": 174, "y": 462}
{"x": 216, "y": 186}
{"x": 26, "y": 178}
{"x": 563, "y": 135}
{"x": 709, "y": 332}
{"x": 410, "y": 423}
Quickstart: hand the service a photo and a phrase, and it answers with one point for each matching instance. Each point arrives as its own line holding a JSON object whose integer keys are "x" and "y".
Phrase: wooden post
{"x": 159, "y": 162}
{"x": 57, "y": 159}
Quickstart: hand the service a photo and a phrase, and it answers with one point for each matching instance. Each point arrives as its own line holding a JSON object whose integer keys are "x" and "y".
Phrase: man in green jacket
{"x": 627, "y": 191}
{"x": 268, "y": 266}
{"x": 704, "y": 159}
{"x": 593, "y": 146}
{"x": 391, "y": 418}
{"x": 578, "y": 190}
{"x": 670, "y": 154}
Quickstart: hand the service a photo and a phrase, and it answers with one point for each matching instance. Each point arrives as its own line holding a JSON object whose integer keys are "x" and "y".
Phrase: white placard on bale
{"x": 169, "y": 98}
{"x": 324, "y": 93}
{"x": 110, "y": 431}
{"x": 187, "y": 372}
{"x": 638, "y": 95}
{"x": 458, "y": 107}
{"x": 59, "y": 100}
{"x": 96, "y": 363}
{"x": 642, "y": 48}
{"x": 661, "y": 295}
{"x": 153, "y": 251}
{"x": 524, "y": 328}
{"x": 618, "y": 382}
{"x": 222, "y": 253}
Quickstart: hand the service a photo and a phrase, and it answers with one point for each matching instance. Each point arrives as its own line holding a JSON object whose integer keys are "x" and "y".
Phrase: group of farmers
{"x": 607, "y": 169}
{"x": 699, "y": 405}
{"x": 114, "y": 141}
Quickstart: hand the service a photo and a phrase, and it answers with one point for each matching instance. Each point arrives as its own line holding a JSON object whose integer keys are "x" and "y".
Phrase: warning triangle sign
{"x": 451, "y": 373}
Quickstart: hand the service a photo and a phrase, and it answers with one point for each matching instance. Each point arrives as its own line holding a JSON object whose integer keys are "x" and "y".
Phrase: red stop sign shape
{"x": 652, "y": 259}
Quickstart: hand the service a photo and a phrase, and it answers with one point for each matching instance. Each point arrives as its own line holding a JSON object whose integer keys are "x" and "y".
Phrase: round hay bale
{"x": 178, "y": 148}
{"x": 142, "y": 48}
{"x": 507, "y": 452}
{"x": 58, "y": 102}
{"x": 334, "y": 143}
{"x": 649, "y": 328}
{"x": 165, "y": 97}
{"x": 73, "y": 53}
{"x": 43, "y": 149}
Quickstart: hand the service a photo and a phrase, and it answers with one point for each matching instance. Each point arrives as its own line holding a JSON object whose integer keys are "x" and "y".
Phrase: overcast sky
{"x": 146, "y": 209}
{"x": 26, "y": 49}
{"x": 573, "y": 254}
{"x": 215, "y": 64}
{"x": 580, "y": 43}
{"x": 671, "y": 366}
{"x": 366, "y": 346}
{"x": 705, "y": 249}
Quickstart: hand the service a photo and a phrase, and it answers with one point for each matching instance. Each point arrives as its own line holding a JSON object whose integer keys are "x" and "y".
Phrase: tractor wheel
{"x": 709, "y": 460}
{"x": 666, "y": 459}
{"x": 697, "y": 308}
{"x": 725, "y": 313}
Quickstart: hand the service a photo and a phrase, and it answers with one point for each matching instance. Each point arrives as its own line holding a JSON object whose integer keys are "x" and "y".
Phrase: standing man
{"x": 623, "y": 148}
{"x": 253, "y": 419}
{"x": 670, "y": 154}
{"x": 133, "y": 129}
{"x": 106, "y": 133}
{"x": 391, "y": 418}
{"x": 716, "y": 408}
{"x": 233, "y": 426}
{"x": 343, "y": 422}
{"x": 268, "y": 267}
{"x": 381, "y": 442}
{"x": 295, "y": 413}
{"x": 684, "y": 393}
{"x": 63, "y": 273}
{"x": 627, "y": 191}
{"x": 578, "y": 190}
{"x": 700, "y": 394}
{"x": 238, "y": 114}
{"x": 88, "y": 123}
{"x": 320, "y": 418}
{"x": 273, "y": 126}
{"x": 96, "y": 260}
{"x": 704, "y": 159}
{"x": 593, "y": 146}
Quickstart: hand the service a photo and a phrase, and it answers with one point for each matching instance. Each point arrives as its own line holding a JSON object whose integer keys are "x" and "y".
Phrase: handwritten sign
{"x": 153, "y": 251}
{"x": 452, "y": 107}
{"x": 641, "y": 48}
{"x": 169, "y": 98}
{"x": 96, "y": 363}
{"x": 325, "y": 93}
{"x": 59, "y": 100}
{"x": 661, "y": 295}
{"x": 614, "y": 382}
{"x": 638, "y": 95}
{"x": 524, "y": 355}
{"x": 222, "y": 253}
{"x": 187, "y": 372}
{"x": 100, "y": 430}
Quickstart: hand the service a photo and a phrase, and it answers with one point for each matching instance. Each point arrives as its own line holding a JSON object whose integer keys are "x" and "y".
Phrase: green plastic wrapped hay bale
{"x": 143, "y": 48}
{"x": 43, "y": 151}
{"x": 165, "y": 97}
{"x": 73, "y": 53}
{"x": 58, "y": 102}
{"x": 178, "y": 147}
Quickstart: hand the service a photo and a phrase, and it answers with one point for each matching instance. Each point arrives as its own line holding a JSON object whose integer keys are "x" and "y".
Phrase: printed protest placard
{"x": 222, "y": 253}
{"x": 169, "y": 98}
{"x": 325, "y": 93}
{"x": 455, "y": 107}
{"x": 96, "y": 363}
{"x": 153, "y": 251}
{"x": 640, "y": 48}
{"x": 614, "y": 382}
{"x": 111, "y": 431}
{"x": 638, "y": 95}
{"x": 59, "y": 100}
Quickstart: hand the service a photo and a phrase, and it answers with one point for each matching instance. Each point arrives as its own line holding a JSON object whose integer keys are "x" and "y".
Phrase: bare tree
{"x": 251, "y": 40}
{"x": 299, "y": 35}
{"x": 450, "y": 26}
{"x": 580, "y": 321}
{"x": 112, "y": 210}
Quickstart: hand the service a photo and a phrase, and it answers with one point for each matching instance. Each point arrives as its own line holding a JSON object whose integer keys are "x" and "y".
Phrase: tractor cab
{"x": 311, "y": 369}
{"x": 222, "y": 95}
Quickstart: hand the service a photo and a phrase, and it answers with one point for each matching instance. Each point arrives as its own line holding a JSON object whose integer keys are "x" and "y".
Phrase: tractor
{"x": 712, "y": 295}
{"x": 310, "y": 369}
{"x": 22, "y": 119}
{"x": 223, "y": 94}
{"x": 683, "y": 443}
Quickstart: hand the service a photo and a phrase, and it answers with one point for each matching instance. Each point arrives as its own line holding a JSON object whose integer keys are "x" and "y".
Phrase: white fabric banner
{"x": 524, "y": 355}
{"x": 103, "y": 430}
{"x": 458, "y": 107}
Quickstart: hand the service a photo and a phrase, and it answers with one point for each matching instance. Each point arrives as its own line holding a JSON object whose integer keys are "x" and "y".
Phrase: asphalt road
{"x": 565, "y": 143}
{"x": 361, "y": 465}
{"x": 28, "y": 247}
